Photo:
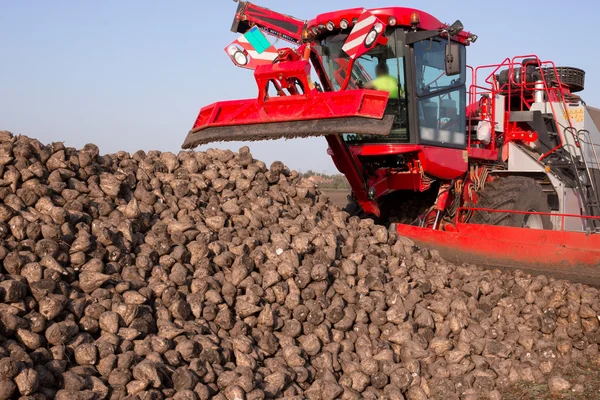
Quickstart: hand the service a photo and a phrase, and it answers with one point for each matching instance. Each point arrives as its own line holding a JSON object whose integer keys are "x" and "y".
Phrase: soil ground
{"x": 337, "y": 197}
{"x": 589, "y": 377}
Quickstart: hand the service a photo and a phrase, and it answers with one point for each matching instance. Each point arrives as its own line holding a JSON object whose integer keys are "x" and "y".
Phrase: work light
{"x": 371, "y": 37}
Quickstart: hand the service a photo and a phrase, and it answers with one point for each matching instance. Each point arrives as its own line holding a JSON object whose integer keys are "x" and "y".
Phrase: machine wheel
{"x": 517, "y": 193}
{"x": 353, "y": 208}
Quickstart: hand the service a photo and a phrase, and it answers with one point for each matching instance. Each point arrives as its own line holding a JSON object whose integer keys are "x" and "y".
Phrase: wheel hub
{"x": 532, "y": 221}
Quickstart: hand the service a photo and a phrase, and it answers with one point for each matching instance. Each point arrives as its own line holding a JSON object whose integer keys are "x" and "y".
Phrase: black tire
{"x": 513, "y": 193}
{"x": 402, "y": 206}
{"x": 353, "y": 208}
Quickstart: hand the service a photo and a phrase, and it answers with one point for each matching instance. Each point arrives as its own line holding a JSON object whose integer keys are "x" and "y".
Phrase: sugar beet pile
{"x": 208, "y": 275}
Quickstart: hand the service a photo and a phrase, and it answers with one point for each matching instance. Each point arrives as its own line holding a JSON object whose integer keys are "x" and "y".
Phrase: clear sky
{"x": 133, "y": 74}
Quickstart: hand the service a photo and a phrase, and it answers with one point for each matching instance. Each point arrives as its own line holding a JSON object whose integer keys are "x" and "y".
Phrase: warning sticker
{"x": 576, "y": 114}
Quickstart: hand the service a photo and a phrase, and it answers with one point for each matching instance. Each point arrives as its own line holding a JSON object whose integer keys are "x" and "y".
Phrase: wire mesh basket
{"x": 574, "y": 78}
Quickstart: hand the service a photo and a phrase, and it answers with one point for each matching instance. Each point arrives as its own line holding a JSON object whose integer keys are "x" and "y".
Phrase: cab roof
{"x": 401, "y": 14}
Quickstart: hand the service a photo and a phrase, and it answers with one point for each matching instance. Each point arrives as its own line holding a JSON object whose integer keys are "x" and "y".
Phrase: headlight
{"x": 232, "y": 50}
{"x": 240, "y": 58}
{"x": 371, "y": 193}
{"x": 344, "y": 24}
{"x": 392, "y": 21}
{"x": 371, "y": 38}
{"x": 330, "y": 26}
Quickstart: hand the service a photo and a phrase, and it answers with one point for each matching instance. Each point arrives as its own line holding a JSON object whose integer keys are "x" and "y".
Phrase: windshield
{"x": 336, "y": 61}
{"x": 430, "y": 63}
{"x": 383, "y": 61}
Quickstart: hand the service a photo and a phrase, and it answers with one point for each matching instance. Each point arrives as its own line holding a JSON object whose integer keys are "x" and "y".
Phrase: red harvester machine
{"x": 509, "y": 164}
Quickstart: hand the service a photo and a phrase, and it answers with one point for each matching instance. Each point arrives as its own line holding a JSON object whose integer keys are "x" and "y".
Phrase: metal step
{"x": 521, "y": 116}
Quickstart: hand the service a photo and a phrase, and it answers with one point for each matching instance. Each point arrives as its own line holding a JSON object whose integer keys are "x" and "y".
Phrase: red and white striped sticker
{"x": 253, "y": 57}
{"x": 355, "y": 44}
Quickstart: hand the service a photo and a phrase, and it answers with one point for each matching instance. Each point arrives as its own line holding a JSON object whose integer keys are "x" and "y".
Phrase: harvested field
{"x": 211, "y": 275}
{"x": 338, "y": 198}
{"x": 584, "y": 382}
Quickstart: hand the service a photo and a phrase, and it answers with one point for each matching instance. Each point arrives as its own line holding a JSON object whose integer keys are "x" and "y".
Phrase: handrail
{"x": 591, "y": 177}
{"x": 491, "y": 113}
{"x": 518, "y": 89}
{"x": 563, "y": 216}
{"x": 587, "y": 135}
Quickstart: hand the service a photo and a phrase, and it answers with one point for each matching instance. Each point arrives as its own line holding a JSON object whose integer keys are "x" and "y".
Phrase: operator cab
{"x": 336, "y": 61}
{"x": 431, "y": 106}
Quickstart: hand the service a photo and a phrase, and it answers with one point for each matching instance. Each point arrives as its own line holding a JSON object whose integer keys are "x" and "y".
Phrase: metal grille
{"x": 574, "y": 78}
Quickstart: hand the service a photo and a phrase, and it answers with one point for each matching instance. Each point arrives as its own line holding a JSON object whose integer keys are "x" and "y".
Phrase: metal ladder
{"x": 569, "y": 160}
{"x": 590, "y": 196}
{"x": 575, "y": 145}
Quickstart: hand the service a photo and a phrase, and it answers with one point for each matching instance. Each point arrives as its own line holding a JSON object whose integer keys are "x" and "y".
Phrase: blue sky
{"x": 133, "y": 74}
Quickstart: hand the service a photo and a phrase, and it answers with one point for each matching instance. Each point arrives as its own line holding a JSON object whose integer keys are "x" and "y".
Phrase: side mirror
{"x": 453, "y": 59}
{"x": 456, "y": 28}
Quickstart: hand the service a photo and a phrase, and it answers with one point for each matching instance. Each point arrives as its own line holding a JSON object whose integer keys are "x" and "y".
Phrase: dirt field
{"x": 338, "y": 197}
{"x": 586, "y": 386}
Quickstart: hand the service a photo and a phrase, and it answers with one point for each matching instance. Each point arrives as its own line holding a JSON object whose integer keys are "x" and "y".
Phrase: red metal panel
{"x": 402, "y": 15}
{"x": 355, "y": 45}
{"x": 391, "y": 181}
{"x": 277, "y": 24}
{"x": 483, "y": 154}
{"x": 383, "y": 149}
{"x": 440, "y": 162}
{"x": 336, "y": 16}
{"x": 444, "y": 163}
{"x": 350, "y": 103}
{"x": 254, "y": 58}
{"x": 346, "y": 164}
{"x": 571, "y": 255}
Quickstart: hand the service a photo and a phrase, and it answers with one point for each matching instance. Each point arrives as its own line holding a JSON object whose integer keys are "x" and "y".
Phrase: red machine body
{"x": 569, "y": 255}
{"x": 437, "y": 136}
